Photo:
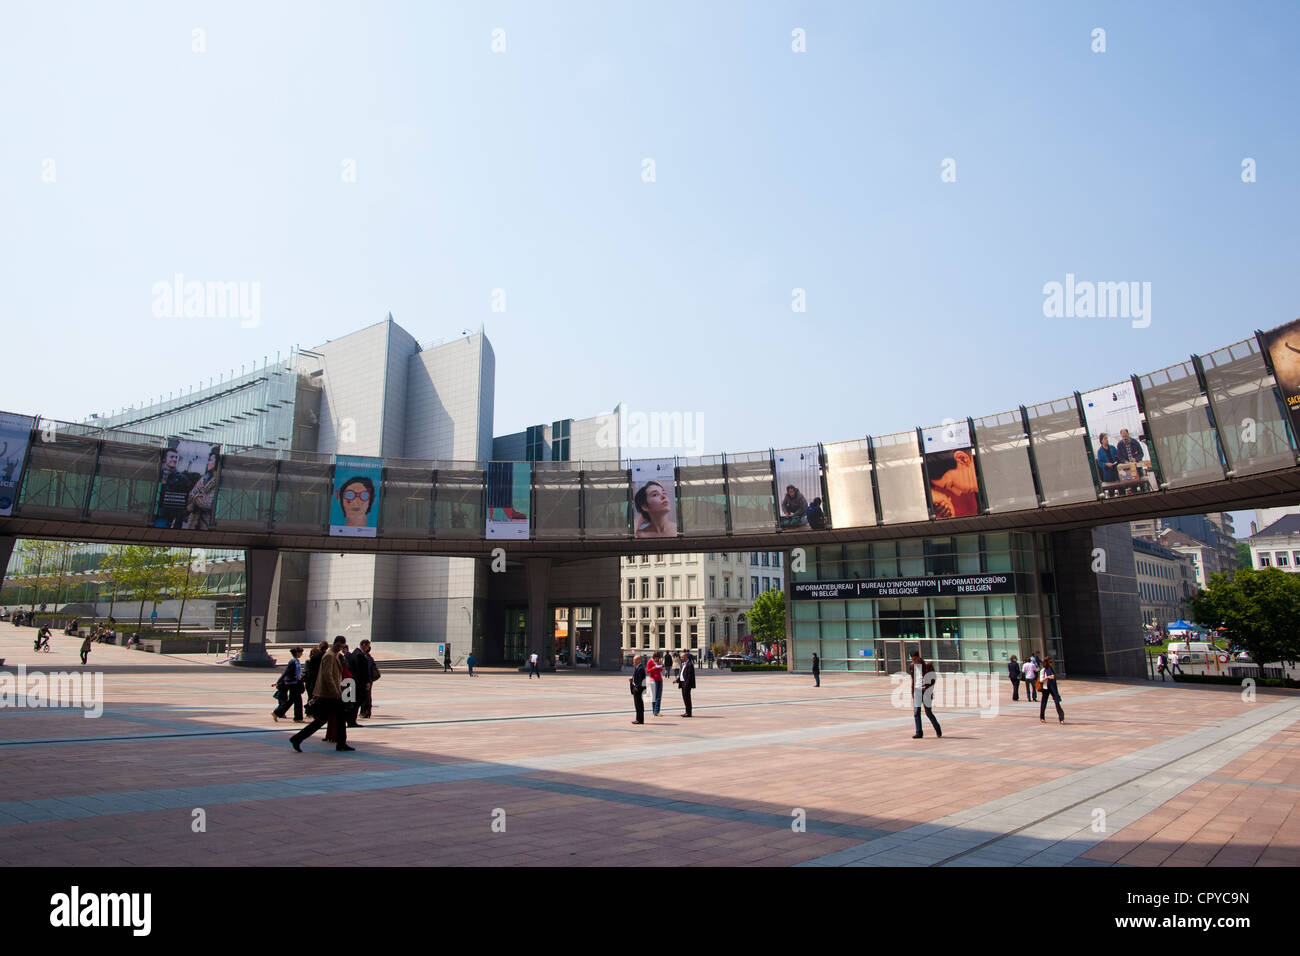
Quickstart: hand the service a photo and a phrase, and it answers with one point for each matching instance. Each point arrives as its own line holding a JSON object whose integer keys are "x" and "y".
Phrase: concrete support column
{"x": 7, "y": 542}
{"x": 608, "y": 630}
{"x": 538, "y": 572}
{"x": 259, "y": 580}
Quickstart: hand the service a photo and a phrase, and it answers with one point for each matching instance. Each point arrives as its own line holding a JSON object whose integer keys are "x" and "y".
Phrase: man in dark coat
{"x": 290, "y": 686}
{"x": 922, "y": 676}
{"x": 686, "y": 681}
{"x": 360, "y": 663}
{"x": 637, "y": 683}
{"x": 1013, "y": 671}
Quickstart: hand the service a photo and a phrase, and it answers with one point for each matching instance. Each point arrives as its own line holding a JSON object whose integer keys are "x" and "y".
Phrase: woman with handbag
{"x": 655, "y": 671}
{"x": 1047, "y": 684}
{"x": 637, "y": 683}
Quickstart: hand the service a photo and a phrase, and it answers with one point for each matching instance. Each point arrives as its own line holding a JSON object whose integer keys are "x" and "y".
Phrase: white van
{"x": 1195, "y": 652}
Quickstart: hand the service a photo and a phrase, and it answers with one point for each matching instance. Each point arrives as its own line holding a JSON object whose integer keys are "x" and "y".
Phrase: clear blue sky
{"x": 774, "y": 170}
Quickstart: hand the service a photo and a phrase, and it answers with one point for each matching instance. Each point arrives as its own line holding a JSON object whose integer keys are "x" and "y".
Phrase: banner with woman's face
{"x": 950, "y": 470}
{"x": 354, "y": 512}
{"x": 189, "y": 472}
{"x": 654, "y": 498}
{"x": 1283, "y": 348}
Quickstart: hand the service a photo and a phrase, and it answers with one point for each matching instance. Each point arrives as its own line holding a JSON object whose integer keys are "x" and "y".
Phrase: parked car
{"x": 726, "y": 660}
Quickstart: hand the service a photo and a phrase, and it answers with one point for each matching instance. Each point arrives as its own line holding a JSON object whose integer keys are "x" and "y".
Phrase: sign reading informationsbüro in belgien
{"x": 936, "y": 586}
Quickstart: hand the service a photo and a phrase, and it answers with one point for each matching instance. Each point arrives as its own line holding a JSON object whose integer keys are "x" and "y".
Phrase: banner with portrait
{"x": 509, "y": 487}
{"x": 950, "y": 470}
{"x": 1118, "y": 438}
{"x": 1282, "y": 345}
{"x": 799, "y": 488}
{"x": 354, "y": 511}
{"x": 189, "y": 475}
{"x": 15, "y": 434}
{"x": 654, "y": 498}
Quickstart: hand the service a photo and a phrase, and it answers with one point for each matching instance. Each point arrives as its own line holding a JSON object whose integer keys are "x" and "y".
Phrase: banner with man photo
{"x": 354, "y": 512}
{"x": 950, "y": 470}
{"x": 15, "y": 434}
{"x": 1117, "y": 434}
{"x": 1282, "y": 346}
{"x": 188, "y": 479}
{"x": 799, "y": 488}
{"x": 509, "y": 498}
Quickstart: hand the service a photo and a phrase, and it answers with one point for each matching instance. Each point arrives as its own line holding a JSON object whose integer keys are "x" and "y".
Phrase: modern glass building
{"x": 927, "y": 596}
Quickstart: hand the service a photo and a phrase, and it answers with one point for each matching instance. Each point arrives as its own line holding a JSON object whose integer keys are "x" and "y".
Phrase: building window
{"x": 659, "y": 632}
{"x": 690, "y": 611}
{"x": 767, "y": 559}
{"x": 776, "y": 559}
{"x": 726, "y": 586}
{"x": 776, "y": 584}
{"x": 767, "y": 584}
{"x": 631, "y": 589}
{"x": 677, "y": 610}
{"x": 677, "y": 585}
{"x": 659, "y": 588}
{"x": 726, "y": 556}
{"x": 695, "y": 636}
{"x": 645, "y": 635}
{"x": 753, "y": 586}
{"x": 1263, "y": 561}
{"x": 659, "y": 611}
{"x": 740, "y": 587}
{"x": 692, "y": 586}
{"x": 726, "y": 629}
{"x": 645, "y": 611}
{"x": 645, "y": 559}
{"x": 713, "y": 630}
{"x": 677, "y": 636}
{"x": 713, "y": 586}
{"x": 645, "y": 589}
{"x": 1282, "y": 559}
{"x": 753, "y": 558}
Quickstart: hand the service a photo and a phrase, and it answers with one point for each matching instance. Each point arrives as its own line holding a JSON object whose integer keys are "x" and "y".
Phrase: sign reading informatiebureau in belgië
{"x": 953, "y": 584}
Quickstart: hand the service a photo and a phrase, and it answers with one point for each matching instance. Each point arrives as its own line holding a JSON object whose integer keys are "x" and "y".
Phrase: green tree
{"x": 1243, "y": 555}
{"x": 1259, "y": 608}
{"x": 43, "y": 567}
{"x": 767, "y": 617}
{"x": 185, "y": 583}
{"x": 143, "y": 572}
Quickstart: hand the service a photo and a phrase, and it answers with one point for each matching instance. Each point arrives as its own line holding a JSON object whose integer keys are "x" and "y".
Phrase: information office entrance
{"x": 516, "y": 639}
{"x": 896, "y": 653}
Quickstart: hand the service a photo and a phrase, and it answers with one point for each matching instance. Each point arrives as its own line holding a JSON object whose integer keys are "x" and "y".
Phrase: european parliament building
{"x": 376, "y": 392}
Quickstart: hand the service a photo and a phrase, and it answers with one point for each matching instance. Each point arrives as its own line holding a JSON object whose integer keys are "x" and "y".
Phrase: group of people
{"x": 1038, "y": 674}
{"x": 659, "y": 664}
{"x": 1167, "y": 664}
{"x": 1111, "y": 458}
{"x": 339, "y": 687}
{"x": 795, "y": 510}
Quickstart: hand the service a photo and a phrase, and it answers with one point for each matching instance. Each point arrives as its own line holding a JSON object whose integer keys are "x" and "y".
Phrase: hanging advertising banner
{"x": 950, "y": 470}
{"x": 354, "y": 512}
{"x": 15, "y": 433}
{"x": 508, "y": 488}
{"x": 799, "y": 488}
{"x": 654, "y": 498}
{"x": 1282, "y": 345}
{"x": 1117, "y": 435}
{"x": 188, "y": 477}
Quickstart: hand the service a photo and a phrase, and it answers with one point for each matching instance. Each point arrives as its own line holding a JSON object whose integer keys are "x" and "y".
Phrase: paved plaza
{"x": 1141, "y": 774}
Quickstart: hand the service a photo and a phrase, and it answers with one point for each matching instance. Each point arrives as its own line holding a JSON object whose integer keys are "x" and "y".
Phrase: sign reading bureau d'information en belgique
{"x": 929, "y": 586}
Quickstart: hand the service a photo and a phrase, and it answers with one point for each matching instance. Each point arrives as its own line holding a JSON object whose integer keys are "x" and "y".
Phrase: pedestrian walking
{"x": 1173, "y": 664}
{"x": 446, "y": 658}
{"x": 312, "y": 669}
{"x": 329, "y": 697}
{"x": 1160, "y": 666}
{"x": 1013, "y": 671}
{"x": 347, "y": 694}
{"x": 817, "y": 670}
{"x": 709, "y": 657}
{"x": 923, "y": 678}
{"x": 470, "y": 662}
{"x": 637, "y": 683}
{"x": 686, "y": 681}
{"x": 290, "y": 687}
{"x": 532, "y": 667}
{"x": 655, "y": 671}
{"x": 85, "y": 651}
{"x": 1029, "y": 673}
{"x": 1048, "y": 678}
